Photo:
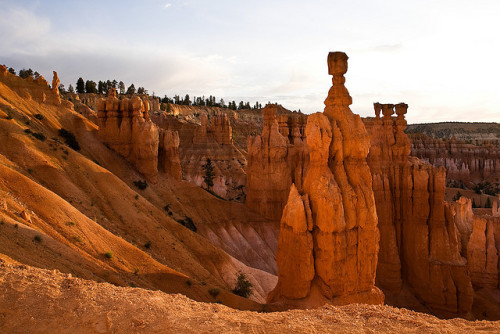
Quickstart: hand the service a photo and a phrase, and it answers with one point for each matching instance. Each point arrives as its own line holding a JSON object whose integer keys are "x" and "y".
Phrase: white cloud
{"x": 167, "y": 5}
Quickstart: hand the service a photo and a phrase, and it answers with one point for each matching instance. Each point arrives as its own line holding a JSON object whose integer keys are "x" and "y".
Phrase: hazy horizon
{"x": 440, "y": 57}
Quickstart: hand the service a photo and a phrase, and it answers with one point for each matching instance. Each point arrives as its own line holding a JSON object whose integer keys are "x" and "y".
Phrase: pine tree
{"x": 121, "y": 87}
{"x": 80, "y": 86}
{"x": 131, "y": 89}
{"x": 71, "y": 89}
{"x": 208, "y": 178}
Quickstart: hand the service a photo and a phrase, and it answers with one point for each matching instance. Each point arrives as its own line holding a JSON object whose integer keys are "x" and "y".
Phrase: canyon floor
{"x": 46, "y": 301}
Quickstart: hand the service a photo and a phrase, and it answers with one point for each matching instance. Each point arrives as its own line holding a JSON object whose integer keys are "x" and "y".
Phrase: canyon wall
{"x": 125, "y": 127}
{"x": 419, "y": 242}
{"x": 208, "y": 135}
{"x": 37, "y": 89}
{"x": 463, "y": 162}
{"x": 276, "y": 159}
{"x": 328, "y": 243}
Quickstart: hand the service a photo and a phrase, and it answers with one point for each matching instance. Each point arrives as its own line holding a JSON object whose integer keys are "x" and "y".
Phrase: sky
{"x": 441, "y": 57}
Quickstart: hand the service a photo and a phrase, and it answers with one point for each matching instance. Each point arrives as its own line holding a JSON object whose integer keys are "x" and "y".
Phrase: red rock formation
{"x": 220, "y": 130}
{"x": 419, "y": 241}
{"x": 463, "y": 162}
{"x": 125, "y": 127}
{"x": 482, "y": 252}
{"x": 37, "y": 89}
{"x": 328, "y": 237}
{"x": 275, "y": 161}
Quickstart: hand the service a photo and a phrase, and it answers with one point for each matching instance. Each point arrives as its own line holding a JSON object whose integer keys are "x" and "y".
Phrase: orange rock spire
{"x": 332, "y": 227}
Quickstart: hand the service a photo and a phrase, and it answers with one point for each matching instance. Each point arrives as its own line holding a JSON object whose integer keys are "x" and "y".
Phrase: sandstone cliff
{"x": 276, "y": 159}
{"x": 202, "y": 139}
{"x": 328, "y": 244}
{"x": 465, "y": 164}
{"x": 34, "y": 89}
{"x": 419, "y": 241}
{"x": 125, "y": 126}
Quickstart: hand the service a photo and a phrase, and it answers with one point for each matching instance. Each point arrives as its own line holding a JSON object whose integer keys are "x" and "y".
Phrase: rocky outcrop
{"x": 33, "y": 89}
{"x": 464, "y": 163}
{"x": 276, "y": 159}
{"x": 219, "y": 130}
{"x": 483, "y": 251}
{"x": 198, "y": 141}
{"x": 328, "y": 244}
{"x": 419, "y": 241}
{"x": 125, "y": 127}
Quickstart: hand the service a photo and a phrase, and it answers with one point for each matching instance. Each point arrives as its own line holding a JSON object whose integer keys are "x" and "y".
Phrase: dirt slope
{"x": 47, "y": 301}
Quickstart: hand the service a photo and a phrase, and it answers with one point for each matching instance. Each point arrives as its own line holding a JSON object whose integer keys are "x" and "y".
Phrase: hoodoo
{"x": 328, "y": 245}
{"x": 419, "y": 241}
{"x": 125, "y": 126}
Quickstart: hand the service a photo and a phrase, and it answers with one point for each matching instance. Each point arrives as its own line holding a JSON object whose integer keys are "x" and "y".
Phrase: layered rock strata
{"x": 463, "y": 162}
{"x": 125, "y": 127}
{"x": 483, "y": 252}
{"x": 37, "y": 89}
{"x": 276, "y": 159}
{"x": 328, "y": 244}
{"x": 419, "y": 242}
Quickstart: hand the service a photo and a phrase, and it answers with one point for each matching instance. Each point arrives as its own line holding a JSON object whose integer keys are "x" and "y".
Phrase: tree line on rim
{"x": 102, "y": 87}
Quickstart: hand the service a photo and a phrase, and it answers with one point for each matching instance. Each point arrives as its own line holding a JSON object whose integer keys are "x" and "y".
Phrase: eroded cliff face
{"x": 483, "y": 250}
{"x": 125, "y": 127}
{"x": 419, "y": 241}
{"x": 328, "y": 244}
{"x": 208, "y": 138}
{"x": 34, "y": 89}
{"x": 276, "y": 159}
{"x": 465, "y": 163}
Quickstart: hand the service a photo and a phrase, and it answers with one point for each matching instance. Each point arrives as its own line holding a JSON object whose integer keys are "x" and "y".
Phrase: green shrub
{"x": 39, "y": 116}
{"x": 9, "y": 115}
{"x": 77, "y": 238}
{"x": 189, "y": 283}
{"x": 108, "y": 255}
{"x": 141, "y": 184}
{"x": 148, "y": 244}
{"x": 69, "y": 139}
{"x": 37, "y": 238}
{"x": 28, "y": 131}
{"x": 243, "y": 286}
{"x": 39, "y": 136}
{"x": 214, "y": 292}
{"x": 188, "y": 222}
{"x": 70, "y": 223}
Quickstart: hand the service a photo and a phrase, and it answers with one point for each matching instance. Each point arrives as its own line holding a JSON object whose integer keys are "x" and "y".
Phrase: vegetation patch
{"x": 69, "y": 139}
{"x": 108, "y": 255}
{"x": 39, "y": 116}
{"x": 141, "y": 184}
{"x": 37, "y": 238}
{"x": 243, "y": 286}
{"x": 214, "y": 292}
{"x": 188, "y": 222}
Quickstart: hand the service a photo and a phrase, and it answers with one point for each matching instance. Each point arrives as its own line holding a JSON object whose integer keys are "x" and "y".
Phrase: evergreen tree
{"x": 101, "y": 87}
{"x": 90, "y": 87}
{"x": 80, "y": 86}
{"x": 121, "y": 87}
{"x": 24, "y": 73}
{"x": 61, "y": 88}
{"x": 131, "y": 89}
{"x": 208, "y": 178}
{"x": 141, "y": 90}
{"x": 114, "y": 84}
{"x": 11, "y": 70}
{"x": 71, "y": 89}
{"x": 187, "y": 101}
